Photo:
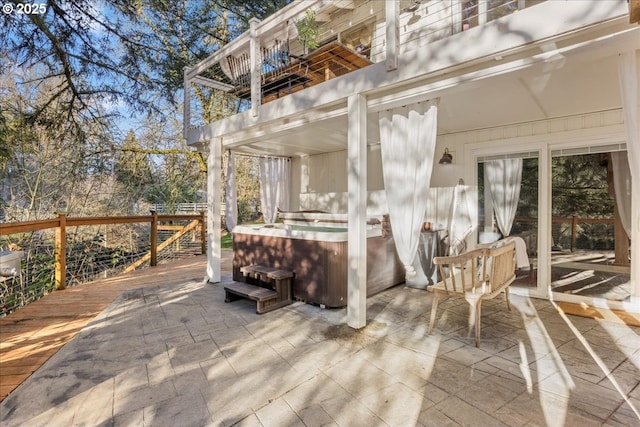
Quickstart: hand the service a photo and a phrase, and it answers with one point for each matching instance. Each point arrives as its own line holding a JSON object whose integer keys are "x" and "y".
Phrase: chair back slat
{"x": 502, "y": 266}
{"x": 484, "y": 269}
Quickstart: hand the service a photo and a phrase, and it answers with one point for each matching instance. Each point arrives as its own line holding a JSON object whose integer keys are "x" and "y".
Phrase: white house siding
{"x": 533, "y": 64}
{"x": 320, "y": 181}
{"x": 604, "y": 125}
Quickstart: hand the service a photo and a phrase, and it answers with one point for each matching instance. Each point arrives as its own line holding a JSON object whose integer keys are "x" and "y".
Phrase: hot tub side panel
{"x": 320, "y": 267}
{"x": 384, "y": 268}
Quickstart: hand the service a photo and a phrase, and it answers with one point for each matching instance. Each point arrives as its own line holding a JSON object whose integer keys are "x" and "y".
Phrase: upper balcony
{"x": 356, "y": 43}
{"x": 309, "y": 42}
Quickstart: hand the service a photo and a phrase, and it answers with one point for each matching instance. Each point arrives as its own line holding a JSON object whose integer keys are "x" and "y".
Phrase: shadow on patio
{"x": 176, "y": 354}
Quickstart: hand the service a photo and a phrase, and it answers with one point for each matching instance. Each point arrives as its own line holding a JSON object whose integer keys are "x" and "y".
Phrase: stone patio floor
{"x": 176, "y": 354}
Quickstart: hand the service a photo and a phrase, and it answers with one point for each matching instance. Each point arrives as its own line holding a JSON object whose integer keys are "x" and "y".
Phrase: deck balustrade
{"x": 273, "y": 59}
{"x": 66, "y": 251}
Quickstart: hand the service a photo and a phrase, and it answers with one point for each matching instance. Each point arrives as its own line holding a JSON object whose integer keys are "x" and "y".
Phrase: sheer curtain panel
{"x": 275, "y": 177}
{"x": 230, "y": 195}
{"x": 407, "y": 143}
{"x": 629, "y": 75}
{"x": 463, "y": 218}
{"x": 630, "y": 93}
{"x": 622, "y": 186}
{"x": 439, "y": 207}
{"x": 503, "y": 178}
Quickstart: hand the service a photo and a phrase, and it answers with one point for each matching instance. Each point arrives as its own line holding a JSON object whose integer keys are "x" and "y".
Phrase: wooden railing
{"x": 182, "y": 208}
{"x": 267, "y": 61}
{"x": 573, "y": 220}
{"x": 62, "y": 222}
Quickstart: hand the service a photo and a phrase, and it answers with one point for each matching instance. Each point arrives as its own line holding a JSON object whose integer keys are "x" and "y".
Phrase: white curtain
{"x": 226, "y": 68}
{"x": 622, "y": 186}
{"x": 439, "y": 207}
{"x": 629, "y": 74}
{"x": 407, "y": 144}
{"x": 503, "y": 178}
{"x": 275, "y": 178}
{"x": 463, "y": 218}
{"x": 291, "y": 30}
{"x": 230, "y": 198}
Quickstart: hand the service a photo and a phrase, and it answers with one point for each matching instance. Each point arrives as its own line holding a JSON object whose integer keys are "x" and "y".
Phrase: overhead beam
{"x": 212, "y": 83}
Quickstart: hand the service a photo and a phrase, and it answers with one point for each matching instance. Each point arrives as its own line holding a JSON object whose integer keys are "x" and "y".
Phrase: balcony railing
{"x": 276, "y": 57}
{"x": 68, "y": 251}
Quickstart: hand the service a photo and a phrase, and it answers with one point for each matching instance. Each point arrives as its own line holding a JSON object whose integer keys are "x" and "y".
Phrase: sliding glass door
{"x": 508, "y": 206}
{"x": 590, "y": 204}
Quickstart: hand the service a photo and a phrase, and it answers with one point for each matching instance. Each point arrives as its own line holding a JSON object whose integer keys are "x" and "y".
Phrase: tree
{"x": 133, "y": 169}
{"x": 49, "y": 160}
{"x": 77, "y": 67}
{"x": 124, "y": 52}
{"x": 580, "y": 189}
{"x": 247, "y": 187}
{"x": 309, "y": 31}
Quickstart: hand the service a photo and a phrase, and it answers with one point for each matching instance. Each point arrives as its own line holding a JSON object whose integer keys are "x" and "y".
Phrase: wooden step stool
{"x": 266, "y": 299}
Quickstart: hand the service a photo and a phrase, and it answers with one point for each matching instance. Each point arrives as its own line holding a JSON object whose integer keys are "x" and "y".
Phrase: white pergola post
{"x": 186, "y": 112}
{"x": 214, "y": 196}
{"x": 456, "y": 16}
{"x": 392, "y": 17}
{"x": 357, "y": 211}
{"x": 635, "y": 249}
{"x": 483, "y": 7}
{"x": 629, "y": 75}
{"x": 256, "y": 62}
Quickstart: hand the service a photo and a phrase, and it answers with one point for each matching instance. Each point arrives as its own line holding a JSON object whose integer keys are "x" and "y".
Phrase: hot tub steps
{"x": 272, "y": 291}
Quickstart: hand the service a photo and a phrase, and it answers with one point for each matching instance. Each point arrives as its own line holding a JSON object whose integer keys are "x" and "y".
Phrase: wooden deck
{"x": 324, "y": 63}
{"x": 31, "y": 335}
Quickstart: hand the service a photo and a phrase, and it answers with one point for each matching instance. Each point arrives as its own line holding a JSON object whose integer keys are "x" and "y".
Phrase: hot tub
{"x": 314, "y": 247}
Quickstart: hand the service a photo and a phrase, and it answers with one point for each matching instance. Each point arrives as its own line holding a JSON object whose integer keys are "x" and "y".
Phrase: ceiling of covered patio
{"x": 576, "y": 81}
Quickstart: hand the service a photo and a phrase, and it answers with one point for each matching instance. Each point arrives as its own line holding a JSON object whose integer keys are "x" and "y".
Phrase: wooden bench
{"x": 475, "y": 276}
{"x": 272, "y": 291}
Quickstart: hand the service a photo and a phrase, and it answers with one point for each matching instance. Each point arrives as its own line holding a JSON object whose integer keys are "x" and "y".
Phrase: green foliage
{"x": 5, "y": 148}
{"x": 132, "y": 167}
{"x": 68, "y": 75}
{"x": 226, "y": 241}
{"x": 308, "y": 30}
{"x": 247, "y": 187}
{"x": 580, "y": 188}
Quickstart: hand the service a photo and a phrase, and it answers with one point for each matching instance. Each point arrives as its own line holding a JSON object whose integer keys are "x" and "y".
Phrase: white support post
{"x": 482, "y": 11}
{"x": 186, "y": 112}
{"x": 255, "y": 61}
{"x": 456, "y": 16}
{"x": 545, "y": 223}
{"x": 392, "y": 16}
{"x": 488, "y": 207}
{"x": 304, "y": 174}
{"x": 214, "y": 196}
{"x": 635, "y": 249}
{"x": 357, "y": 211}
